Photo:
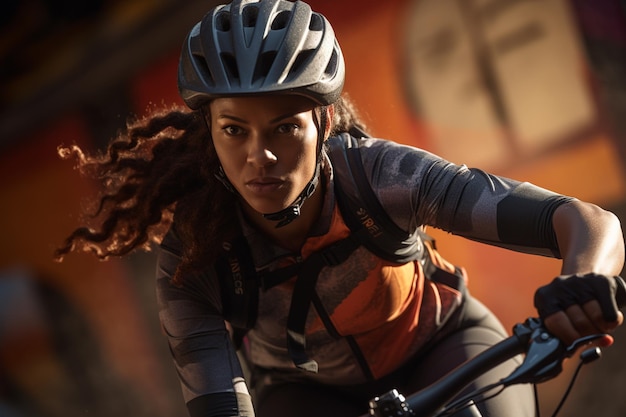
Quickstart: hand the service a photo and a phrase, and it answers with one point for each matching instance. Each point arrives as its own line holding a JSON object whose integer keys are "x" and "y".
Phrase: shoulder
{"x": 372, "y": 146}
{"x": 375, "y": 148}
{"x": 387, "y": 157}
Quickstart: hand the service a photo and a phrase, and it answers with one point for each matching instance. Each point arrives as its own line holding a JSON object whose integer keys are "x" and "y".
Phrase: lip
{"x": 263, "y": 185}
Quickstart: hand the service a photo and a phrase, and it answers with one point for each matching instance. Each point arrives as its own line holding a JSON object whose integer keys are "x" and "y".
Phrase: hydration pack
{"x": 370, "y": 227}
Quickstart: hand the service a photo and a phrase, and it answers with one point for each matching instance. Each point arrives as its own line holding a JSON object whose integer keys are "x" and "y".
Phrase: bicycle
{"x": 544, "y": 355}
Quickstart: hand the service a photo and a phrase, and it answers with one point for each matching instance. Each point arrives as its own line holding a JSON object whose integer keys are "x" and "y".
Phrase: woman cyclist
{"x": 263, "y": 84}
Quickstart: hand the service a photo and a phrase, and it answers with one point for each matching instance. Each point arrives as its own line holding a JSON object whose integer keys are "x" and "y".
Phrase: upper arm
{"x": 191, "y": 319}
{"x": 418, "y": 188}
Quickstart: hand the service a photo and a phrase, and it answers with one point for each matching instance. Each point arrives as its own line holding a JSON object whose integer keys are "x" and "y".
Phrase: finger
{"x": 583, "y": 323}
{"x": 604, "y": 341}
{"x": 593, "y": 310}
{"x": 559, "y": 325}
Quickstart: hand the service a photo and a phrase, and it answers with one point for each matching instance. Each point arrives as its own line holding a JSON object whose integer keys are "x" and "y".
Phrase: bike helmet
{"x": 253, "y": 47}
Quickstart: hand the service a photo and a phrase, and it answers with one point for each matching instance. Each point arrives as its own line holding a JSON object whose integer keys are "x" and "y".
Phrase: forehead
{"x": 264, "y": 104}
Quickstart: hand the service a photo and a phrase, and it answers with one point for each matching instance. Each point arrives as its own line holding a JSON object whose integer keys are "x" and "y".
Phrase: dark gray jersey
{"x": 418, "y": 188}
{"x": 365, "y": 299}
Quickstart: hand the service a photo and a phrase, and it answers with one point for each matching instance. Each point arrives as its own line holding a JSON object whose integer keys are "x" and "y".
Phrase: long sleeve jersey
{"x": 365, "y": 303}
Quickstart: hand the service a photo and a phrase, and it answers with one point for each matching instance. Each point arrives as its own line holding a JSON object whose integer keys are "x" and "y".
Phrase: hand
{"x": 574, "y": 306}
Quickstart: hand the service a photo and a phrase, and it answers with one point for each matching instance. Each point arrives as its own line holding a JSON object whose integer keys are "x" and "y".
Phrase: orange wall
{"x": 41, "y": 195}
{"x": 371, "y": 38}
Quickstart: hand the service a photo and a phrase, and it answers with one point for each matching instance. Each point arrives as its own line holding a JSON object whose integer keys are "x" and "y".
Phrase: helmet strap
{"x": 289, "y": 214}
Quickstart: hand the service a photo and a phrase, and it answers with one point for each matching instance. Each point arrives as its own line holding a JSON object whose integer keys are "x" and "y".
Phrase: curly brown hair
{"x": 161, "y": 167}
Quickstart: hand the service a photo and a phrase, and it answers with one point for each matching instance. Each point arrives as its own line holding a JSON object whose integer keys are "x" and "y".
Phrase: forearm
{"x": 583, "y": 301}
{"x": 590, "y": 239}
{"x": 237, "y": 403}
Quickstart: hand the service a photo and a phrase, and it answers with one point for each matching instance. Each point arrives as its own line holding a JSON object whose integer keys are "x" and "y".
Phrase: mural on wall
{"x": 534, "y": 90}
{"x": 511, "y": 73}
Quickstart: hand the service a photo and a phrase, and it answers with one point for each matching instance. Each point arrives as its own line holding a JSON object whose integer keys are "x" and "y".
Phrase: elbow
{"x": 585, "y": 228}
{"x": 609, "y": 225}
{"x": 615, "y": 225}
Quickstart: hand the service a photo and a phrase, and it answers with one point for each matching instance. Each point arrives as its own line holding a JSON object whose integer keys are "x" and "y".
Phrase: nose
{"x": 259, "y": 153}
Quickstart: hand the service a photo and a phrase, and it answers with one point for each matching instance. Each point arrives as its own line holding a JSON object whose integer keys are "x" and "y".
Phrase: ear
{"x": 330, "y": 115}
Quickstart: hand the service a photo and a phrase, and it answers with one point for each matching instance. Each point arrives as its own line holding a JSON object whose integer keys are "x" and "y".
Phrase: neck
{"x": 292, "y": 235}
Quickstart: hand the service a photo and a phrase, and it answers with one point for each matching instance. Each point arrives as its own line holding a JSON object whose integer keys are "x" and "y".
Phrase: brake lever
{"x": 545, "y": 355}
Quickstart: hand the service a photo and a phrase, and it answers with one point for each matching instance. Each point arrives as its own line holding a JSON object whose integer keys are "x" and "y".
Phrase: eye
{"x": 288, "y": 129}
{"x": 233, "y": 130}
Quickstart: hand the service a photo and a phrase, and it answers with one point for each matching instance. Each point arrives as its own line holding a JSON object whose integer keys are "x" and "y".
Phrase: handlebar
{"x": 543, "y": 361}
{"x": 544, "y": 356}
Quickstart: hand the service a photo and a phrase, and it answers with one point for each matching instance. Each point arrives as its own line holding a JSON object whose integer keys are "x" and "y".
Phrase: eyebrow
{"x": 227, "y": 116}
{"x": 274, "y": 120}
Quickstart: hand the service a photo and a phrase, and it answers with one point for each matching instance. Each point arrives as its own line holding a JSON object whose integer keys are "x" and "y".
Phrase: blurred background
{"x": 534, "y": 90}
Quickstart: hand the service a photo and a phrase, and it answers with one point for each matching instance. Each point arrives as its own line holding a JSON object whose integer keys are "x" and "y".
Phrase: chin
{"x": 262, "y": 208}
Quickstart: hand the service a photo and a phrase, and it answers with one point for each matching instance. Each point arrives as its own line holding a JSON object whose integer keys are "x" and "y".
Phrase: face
{"x": 267, "y": 146}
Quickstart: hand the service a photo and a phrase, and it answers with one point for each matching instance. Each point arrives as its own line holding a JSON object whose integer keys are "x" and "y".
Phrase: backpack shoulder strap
{"x": 239, "y": 284}
{"x": 367, "y": 218}
{"x": 361, "y": 209}
{"x": 370, "y": 225}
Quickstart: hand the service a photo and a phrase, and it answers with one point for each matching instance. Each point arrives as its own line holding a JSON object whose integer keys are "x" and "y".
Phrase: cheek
{"x": 314, "y": 153}
{"x": 311, "y": 158}
{"x": 304, "y": 158}
{"x": 219, "y": 153}
{"x": 310, "y": 149}
{"x": 227, "y": 159}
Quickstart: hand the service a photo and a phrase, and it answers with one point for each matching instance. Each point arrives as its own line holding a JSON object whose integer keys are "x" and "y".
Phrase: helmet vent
{"x": 301, "y": 59}
{"x": 263, "y": 65}
{"x": 249, "y": 16}
{"x": 256, "y": 47}
{"x": 316, "y": 23}
{"x": 230, "y": 63}
{"x": 331, "y": 68}
{"x": 281, "y": 20}
{"x": 222, "y": 22}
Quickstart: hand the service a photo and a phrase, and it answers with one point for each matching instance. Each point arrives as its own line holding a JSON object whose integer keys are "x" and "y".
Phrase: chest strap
{"x": 303, "y": 294}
